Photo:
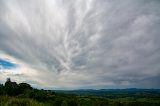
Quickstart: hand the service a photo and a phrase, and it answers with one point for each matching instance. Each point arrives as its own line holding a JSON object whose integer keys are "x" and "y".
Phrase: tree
{"x": 1, "y": 89}
{"x": 72, "y": 102}
{"x": 11, "y": 88}
{"x": 8, "y": 80}
{"x": 64, "y": 103}
{"x": 24, "y": 87}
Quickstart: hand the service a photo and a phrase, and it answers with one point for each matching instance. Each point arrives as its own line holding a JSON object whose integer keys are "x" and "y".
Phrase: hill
{"x": 22, "y": 94}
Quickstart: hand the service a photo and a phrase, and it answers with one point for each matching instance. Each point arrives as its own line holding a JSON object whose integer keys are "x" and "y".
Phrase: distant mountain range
{"x": 105, "y": 91}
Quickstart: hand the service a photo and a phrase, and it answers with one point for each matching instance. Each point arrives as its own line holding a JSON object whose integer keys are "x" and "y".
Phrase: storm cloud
{"x": 82, "y": 43}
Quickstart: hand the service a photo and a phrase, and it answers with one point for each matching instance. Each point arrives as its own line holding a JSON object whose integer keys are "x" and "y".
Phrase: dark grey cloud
{"x": 84, "y": 43}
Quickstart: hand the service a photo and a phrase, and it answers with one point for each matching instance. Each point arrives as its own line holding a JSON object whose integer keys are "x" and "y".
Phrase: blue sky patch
{"x": 5, "y": 64}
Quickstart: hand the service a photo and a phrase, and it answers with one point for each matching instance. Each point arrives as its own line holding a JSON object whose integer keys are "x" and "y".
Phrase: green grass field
{"x": 13, "y": 101}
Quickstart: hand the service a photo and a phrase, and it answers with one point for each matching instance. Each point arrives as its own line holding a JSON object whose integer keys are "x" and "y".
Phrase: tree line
{"x": 22, "y": 94}
{"x": 12, "y": 88}
{"x": 24, "y": 90}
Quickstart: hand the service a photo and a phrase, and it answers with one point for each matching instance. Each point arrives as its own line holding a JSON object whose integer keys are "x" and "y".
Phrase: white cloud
{"x": 81, "y": 43}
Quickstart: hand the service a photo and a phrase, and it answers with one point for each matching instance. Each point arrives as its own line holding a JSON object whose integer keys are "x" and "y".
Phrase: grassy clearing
{"x": 13, "y": 101}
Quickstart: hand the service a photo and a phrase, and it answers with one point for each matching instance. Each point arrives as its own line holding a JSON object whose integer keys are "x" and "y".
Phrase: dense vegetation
{"x": 13, "y": 94}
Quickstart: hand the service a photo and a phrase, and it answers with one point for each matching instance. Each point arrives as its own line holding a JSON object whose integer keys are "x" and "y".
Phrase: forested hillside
{"x": 22, "y": 94}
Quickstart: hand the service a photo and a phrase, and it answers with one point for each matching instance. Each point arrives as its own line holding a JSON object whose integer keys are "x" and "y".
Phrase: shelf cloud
{"x": 73, "y": 44}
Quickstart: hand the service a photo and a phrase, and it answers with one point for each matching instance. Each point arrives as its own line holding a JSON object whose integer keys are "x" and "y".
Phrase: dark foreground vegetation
{"x": 13, "y": 94}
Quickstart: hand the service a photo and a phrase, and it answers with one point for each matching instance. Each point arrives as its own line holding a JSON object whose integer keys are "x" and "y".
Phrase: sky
{"x": 80, "y": 44}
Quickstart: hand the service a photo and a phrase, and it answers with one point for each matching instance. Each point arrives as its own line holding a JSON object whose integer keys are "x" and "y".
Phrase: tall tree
{"x": 11, "y": 88}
